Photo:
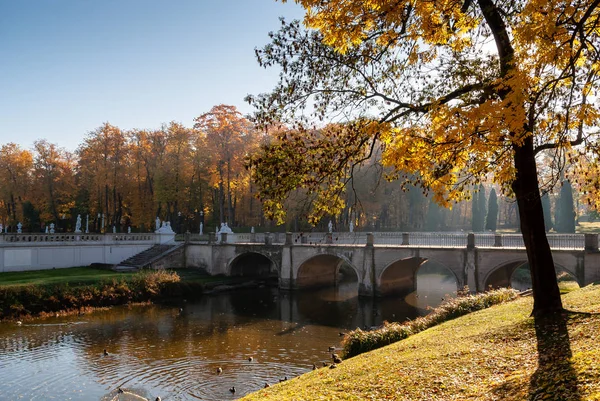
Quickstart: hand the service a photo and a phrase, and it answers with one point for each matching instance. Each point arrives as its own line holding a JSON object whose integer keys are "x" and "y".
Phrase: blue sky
{"x": 67, "y": 66}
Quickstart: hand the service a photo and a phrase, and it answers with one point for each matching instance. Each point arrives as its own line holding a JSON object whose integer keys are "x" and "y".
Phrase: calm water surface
{"x": 162, "y": 351}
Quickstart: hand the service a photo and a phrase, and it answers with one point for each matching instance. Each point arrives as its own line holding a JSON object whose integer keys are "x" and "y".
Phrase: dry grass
{"x": 491, "y": 354}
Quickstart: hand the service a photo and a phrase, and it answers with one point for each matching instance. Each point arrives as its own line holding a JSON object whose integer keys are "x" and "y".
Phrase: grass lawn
{"x": 76, "y": 276}
{"x": 581, "y": 228}
{"x": 499, "y": 353}
{"x": 588, "y": 227}
{"x": 73, "y": 276}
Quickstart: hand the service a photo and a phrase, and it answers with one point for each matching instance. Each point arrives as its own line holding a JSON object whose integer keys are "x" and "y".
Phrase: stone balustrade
{"x": 72, "y": 238}
{"x": 419, "y": 239}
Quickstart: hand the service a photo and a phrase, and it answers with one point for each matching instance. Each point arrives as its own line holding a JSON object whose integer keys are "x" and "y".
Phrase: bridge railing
{"x": 355, "y": 238}
{"x": 255, "y": 238}
{"x": 556, "y": 241}
{"x": 311, "y": 238}
{"x": 453, "y": 240}
{"x": 485, "y": 240}
{"x": 425, "y": 239}
{"x": 512, "y": 241}
{"x": 566, "y": 241}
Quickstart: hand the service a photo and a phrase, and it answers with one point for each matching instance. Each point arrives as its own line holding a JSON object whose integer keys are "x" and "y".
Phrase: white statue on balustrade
{"x": 157, "y": 224}
{"x": 351, "y": 226}
{"x": 201, "y": 228}
{"x": 78, "y": 224}
{"x": 225, "y": 229}
{"x": 19, "y": 228}
{"x": 47, "y": 231}
{"x": 51, "y": 228}
{"x": 165, "y": 228}
{"x": 330, "y": 226}
{"x": 129, "y": 230}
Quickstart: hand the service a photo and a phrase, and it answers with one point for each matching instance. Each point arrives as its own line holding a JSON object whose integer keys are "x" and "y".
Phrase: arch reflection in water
{"x": 425, "y": 283}
{"x": 520, "y": 279}
{"x": 516, "y": 274}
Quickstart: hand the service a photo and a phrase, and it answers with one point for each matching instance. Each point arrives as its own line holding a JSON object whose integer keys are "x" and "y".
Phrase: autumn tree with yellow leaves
{"x": 229, "y": 138}
{"x": 53, "y": 181}
{"x": 455, "y": 91}
{"x": 103, "y": 171}
{"x": 15, "y": 181}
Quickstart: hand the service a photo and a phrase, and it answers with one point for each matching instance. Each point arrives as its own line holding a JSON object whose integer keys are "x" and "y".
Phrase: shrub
{"x": 152, "y": 282}
{"x": 359, "y": 341}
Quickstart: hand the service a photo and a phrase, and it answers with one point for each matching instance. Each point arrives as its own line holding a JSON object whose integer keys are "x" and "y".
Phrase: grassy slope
{"x": 487, "y": 355}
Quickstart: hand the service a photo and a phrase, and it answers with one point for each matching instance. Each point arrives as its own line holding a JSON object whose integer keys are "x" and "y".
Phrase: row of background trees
{"x": 191, "y": 174}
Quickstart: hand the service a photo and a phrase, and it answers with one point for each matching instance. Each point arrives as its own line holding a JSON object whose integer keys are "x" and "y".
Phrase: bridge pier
{"x": 471, "y": 271}
{"x": 368, "y": 285}
{"x": 286, "y": 279}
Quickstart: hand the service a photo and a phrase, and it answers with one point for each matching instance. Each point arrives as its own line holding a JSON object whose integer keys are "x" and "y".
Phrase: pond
{"x": 255, "y": 336}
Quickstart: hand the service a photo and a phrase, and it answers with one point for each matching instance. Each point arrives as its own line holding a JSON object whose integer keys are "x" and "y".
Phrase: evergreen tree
{"x": 556, "y": 214}
{"x": 565, "y": 222}
{"x": 474, "y": 212}
{"x": 416, "y": 206}
{"x": 492, "y": 213}
{"x": 31, "y": 217}
{"x": 434, "y": 216}
{"x": 482, "y": 208}
{"x": 547, "y": 212}
{"x": 478, "y": 209}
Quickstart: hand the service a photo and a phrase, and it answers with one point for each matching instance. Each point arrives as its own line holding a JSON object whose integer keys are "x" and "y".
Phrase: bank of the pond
{"x": 499, "y": 353}
{"x": 26, "y": 295}
{"x": 359, "y": 341}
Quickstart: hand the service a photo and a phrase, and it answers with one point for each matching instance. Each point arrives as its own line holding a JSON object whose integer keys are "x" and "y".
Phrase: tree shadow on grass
{"x": 555, "y": 377}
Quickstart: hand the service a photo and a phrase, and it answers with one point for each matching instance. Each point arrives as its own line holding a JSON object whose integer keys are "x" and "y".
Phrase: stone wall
{"x": 24, "y": 252}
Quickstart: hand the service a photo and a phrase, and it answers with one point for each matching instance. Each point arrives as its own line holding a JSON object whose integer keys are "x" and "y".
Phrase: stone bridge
{"x": 386, "y": 263}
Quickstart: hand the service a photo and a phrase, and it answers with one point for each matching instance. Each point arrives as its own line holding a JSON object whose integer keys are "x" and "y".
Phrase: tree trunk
{"x": 546, "y": 295}
{"x": 13, "y": 206}
{"x": 229, "y": 201}
{"x": 221, "y": 194}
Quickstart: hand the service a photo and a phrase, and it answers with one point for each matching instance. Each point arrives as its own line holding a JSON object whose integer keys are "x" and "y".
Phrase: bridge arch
{"x": 323, "y": 270}
{"x": 502, "y": 275}
{"x": 400, "y": 276}
{"x": 253, "y": 264}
